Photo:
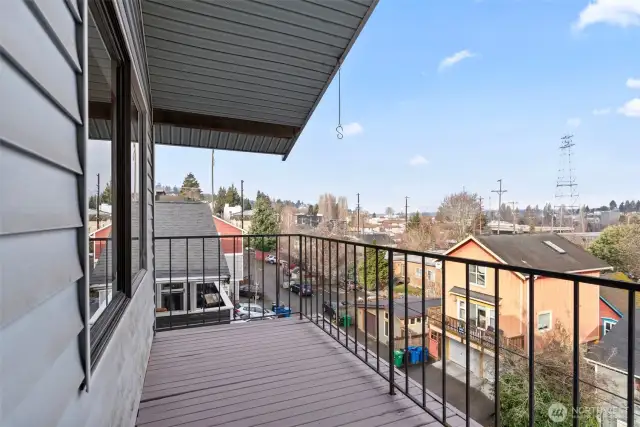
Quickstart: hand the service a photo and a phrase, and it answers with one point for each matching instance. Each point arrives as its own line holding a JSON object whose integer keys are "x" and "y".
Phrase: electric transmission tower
{"x": 566, "y": 185}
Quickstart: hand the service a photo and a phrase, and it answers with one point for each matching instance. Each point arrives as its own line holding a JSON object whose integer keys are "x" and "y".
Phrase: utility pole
{"x": 242, "y": 205}
{"x": 358, "y": 210}
{"x": 500, "y": 192}
{"x": 480, "y": 218}
{"x": 213, "y": 163}
{"x": 98, "y": 204}
{"x": 406, "y": 212}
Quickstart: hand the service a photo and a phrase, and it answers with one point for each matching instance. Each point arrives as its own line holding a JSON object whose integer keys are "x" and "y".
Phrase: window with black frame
{"x": 100, "y": 174}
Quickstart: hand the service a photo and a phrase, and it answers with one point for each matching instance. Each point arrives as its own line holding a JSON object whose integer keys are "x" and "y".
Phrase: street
{"x": 481, "y": 406}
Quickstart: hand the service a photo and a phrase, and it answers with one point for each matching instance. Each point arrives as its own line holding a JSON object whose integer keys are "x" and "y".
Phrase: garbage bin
{"x": 345, "y": 320}
{"x": 425, "y": 354}
{"x": 398, "y": 358}
{"x": 414, "y": 354}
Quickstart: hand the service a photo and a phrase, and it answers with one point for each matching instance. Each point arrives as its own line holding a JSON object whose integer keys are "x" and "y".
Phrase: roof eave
{"x": 363, "y": 22}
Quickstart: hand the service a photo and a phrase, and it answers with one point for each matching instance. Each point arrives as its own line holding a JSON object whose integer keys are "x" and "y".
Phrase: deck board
{"x": 274, "y": 373}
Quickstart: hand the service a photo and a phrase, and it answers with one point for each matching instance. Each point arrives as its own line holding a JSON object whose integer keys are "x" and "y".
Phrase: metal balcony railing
{"x": 343, "y": 287}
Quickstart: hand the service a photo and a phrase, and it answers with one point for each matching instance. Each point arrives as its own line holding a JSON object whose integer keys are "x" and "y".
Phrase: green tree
{"x": 264, "y": 221}
{"x": 619, "y": 245}
{"x": 106, "y": 194}
{"x": 370, "y": 269}
{"x": 191, "y": 187}
{"x": 220, "y": 200}
{"x": 553, "y": 378}
{"x": 613, "y": 204}
{"x": 93, "y": 202}
{"x": 414, "y": 221}
{"x": 247, "y": 204}
{"x": 233, "y": 197}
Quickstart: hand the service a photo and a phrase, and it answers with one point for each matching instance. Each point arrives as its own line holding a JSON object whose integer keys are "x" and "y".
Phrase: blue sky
{"x": 520, "y": 74}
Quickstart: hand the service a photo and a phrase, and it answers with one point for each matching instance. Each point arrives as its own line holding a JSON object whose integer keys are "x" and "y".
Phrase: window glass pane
{"x": 136, "y": 209}
{"x": 99, "y": 172}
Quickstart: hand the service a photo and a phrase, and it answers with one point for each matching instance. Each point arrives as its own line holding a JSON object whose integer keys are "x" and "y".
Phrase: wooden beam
{"x": 223, "y": 124}
{"x": 102, "y": 110}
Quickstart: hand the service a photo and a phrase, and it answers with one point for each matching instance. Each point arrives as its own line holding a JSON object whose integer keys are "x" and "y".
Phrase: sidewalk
{"x": 481, "y": 406}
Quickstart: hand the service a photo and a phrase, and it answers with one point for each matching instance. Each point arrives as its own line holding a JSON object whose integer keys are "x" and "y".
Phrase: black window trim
{"x": 106, "y": 20}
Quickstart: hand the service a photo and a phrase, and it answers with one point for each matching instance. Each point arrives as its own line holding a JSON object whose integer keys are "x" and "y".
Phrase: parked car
{"x": 245, "y": 310}
{"x": 250, "y": 291}
{"x": 304, "y": 289}
{"x": 271, "y": 259}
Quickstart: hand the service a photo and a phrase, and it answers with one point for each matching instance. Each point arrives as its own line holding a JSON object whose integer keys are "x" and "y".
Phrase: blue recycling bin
{"x": 415, "y": 354}
{"x": 425, "y": 354}
{"x": 283, "y": 311}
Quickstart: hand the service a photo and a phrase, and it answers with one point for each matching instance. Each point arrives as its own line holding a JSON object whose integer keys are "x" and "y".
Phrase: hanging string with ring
{"x": 339, "y": 129}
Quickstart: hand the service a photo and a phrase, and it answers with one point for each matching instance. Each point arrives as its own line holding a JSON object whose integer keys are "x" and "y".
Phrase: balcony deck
{"x": 282, "y": 372}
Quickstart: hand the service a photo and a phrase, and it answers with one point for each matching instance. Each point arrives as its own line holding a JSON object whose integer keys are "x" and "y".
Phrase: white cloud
{"x": 351, "y": 129}
{"x": 455, "y": 58}
{"x": 631, "y": 108}
{"x": 622, "y": 13}
{"x": 574, "y": 122}
{"x": 417, "y": 160}
{"x": 633, "y": 83}
{"x": 601, "y": 111}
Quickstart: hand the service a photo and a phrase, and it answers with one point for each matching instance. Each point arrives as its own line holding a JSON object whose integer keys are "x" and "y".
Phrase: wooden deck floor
{"x": 271, "y": 373}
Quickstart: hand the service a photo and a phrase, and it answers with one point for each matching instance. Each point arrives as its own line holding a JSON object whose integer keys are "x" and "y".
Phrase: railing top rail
{"x": 506, "y": 267}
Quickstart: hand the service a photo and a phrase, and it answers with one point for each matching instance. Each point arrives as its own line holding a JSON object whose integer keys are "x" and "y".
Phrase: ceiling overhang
{"x": 244, "y": 75}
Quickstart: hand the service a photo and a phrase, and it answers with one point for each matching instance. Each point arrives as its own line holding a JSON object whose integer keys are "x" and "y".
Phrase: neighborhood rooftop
{"x": 533, "y": 251}
{"x": 176, "y": 219}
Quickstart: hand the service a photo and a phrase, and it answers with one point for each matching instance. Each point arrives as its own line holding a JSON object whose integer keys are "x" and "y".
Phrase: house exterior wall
{"x": 512, "y": 297}
{"x": 606, "y": 313}
{"x": 98, "y": 247}
{"x": 552, "y": 295}
{"x": 44, "y": 329}
{"x": 413, "y": 272}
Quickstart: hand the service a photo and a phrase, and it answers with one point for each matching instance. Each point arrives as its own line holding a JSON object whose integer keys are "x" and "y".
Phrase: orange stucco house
{"x": 553, "y": 299}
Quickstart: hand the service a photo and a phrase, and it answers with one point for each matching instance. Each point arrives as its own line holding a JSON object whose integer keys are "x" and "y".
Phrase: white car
{"x": 271, "y": 259}
{"x": 244, "y": 309}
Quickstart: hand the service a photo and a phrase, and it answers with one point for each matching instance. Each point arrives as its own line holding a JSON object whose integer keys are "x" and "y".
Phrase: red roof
{"x": 226, "y": 229}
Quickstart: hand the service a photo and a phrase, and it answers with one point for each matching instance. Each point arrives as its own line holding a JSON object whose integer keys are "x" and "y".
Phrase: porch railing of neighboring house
{"x": 327, "y": 262}
{"x": 482, "y": 337}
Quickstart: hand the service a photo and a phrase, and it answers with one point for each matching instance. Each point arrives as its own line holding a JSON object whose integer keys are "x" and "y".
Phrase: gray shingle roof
{"x": 414, "y": 305}
{"x": 612, "y": 348}
{"x": 529, "y": 250}
{"x": 173, "y": 219}
{"x": 459, "y": 290}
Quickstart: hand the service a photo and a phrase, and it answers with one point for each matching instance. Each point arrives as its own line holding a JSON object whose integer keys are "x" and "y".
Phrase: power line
{"x": 500, "y": 192}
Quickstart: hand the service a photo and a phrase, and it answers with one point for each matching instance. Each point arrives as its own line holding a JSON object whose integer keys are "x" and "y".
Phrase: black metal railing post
{"x": 330, "y": 272}
{"x": 496, "y": 349}
{"x": 355, "y": 297}
{"x": 392, "y": 387}
{"x": 338, "y": 289}
{"x": 315, "y": 294}
{"x": 301, "y": 275}
{"x": 377, "y": 313}
{"x": 277, "y": 271}
{"x": 249, "y": 261}
{"x": 170, "y": 287}
{"x": 235, "y": 279}
{"x": 289, "y": 271}
{"x": 366, "y": 309}
{"x": 631, "y": 358}
{"x": 203, "y": 280}
{"x": 443, "y": 339}
{"x": 531, "y": 337}
{"x": 262, "y": 296}
{"x": 187, "y": 283}
{"x": 576, "y": 353}
{"x": 467, "y": 347}
{"x": 423, "y": 320}
{"x": 323, "y": 280}
{"x": 219, "y": 285}
{"x": 406, "y": 323}
{"x": 346, "y": 296}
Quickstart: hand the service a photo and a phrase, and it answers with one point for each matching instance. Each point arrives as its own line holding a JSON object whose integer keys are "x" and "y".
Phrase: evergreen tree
{"x": 233, "y": 197}
{"x": 191, "y": 187}
{"x": 613, "y": 204}
{"x": 264, "y": 221}
{"x": 220, "y": 200}
{"x": 414, "y": 221}
{"x": 370, "y": 268}
{"x": 106, "y": 194}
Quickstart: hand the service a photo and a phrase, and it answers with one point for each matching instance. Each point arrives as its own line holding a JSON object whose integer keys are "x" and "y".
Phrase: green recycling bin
{"x": 398, "y": 358}
{"x": 345, "y": 320}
